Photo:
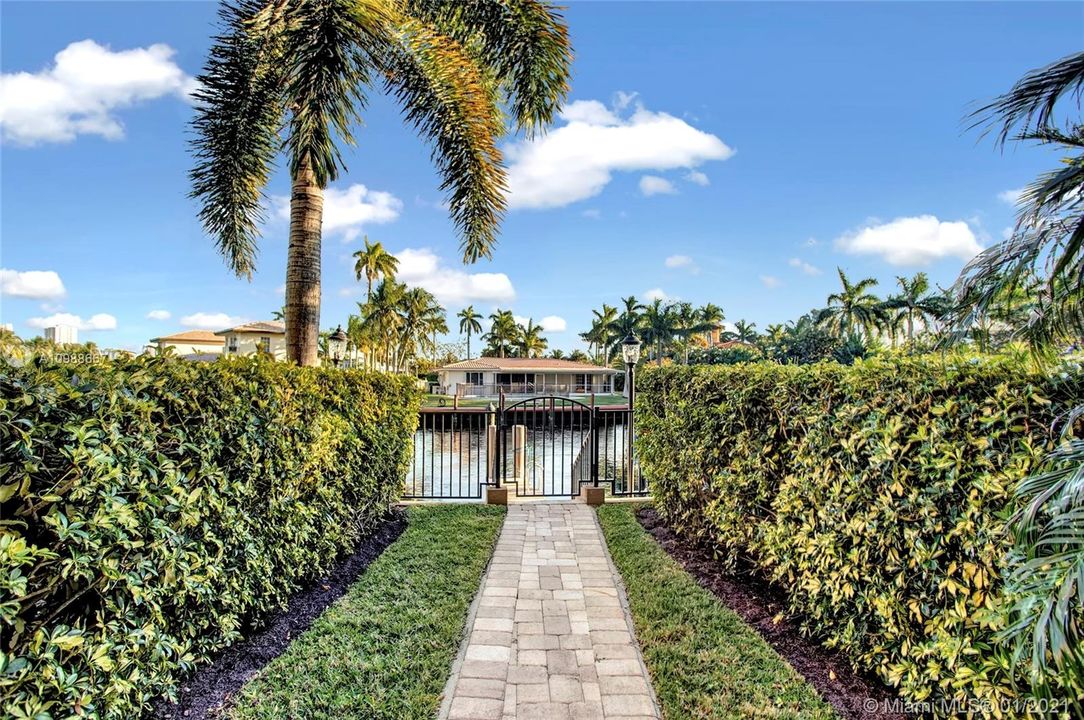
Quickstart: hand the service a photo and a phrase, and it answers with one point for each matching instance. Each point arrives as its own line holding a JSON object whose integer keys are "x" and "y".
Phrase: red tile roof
{"x": 197, "y": 337}
{"x": 261, "y": 327}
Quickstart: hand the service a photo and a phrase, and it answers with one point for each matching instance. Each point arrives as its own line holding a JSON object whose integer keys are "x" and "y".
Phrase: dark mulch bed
{"x": 758, "y": 604}
{"x": 204, "y": 694}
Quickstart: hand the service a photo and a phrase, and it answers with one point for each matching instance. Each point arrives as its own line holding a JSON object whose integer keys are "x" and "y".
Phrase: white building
{"x": 489, "y": 376}
{"x": 248, "y": 339}
{"x": 191, "y": 343}
{"x": 62, "y": 335}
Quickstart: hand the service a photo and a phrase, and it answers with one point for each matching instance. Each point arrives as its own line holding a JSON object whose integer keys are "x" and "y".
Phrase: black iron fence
{"x": 542, "y": 446}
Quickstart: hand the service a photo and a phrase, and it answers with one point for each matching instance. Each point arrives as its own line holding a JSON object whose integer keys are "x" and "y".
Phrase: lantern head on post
{"x": 336, "y": 345}
{"x": 630, "y": 349}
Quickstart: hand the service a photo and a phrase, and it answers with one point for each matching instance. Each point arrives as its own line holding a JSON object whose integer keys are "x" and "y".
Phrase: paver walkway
{"x": 550, "y": 636}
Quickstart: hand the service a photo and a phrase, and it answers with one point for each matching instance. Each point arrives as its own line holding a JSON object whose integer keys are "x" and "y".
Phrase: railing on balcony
{"x": 559, "y": 389}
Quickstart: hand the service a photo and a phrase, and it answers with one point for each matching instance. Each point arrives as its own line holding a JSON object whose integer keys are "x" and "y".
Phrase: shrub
{"x": 875, "y": 495}
{"x": 153, "y": 508}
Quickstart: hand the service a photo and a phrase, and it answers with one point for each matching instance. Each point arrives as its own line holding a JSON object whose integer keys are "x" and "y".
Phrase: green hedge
{"x": 152, "y": 509}
{"x": 875, "y": 495}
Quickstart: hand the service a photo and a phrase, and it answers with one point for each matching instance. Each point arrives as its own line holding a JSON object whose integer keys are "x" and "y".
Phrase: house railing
{"x": 559, "y": 389}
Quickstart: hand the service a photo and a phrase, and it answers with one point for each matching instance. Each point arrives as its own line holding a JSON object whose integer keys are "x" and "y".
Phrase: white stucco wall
{"x": 248, "y": 343}
{"x": 182, "y": 348}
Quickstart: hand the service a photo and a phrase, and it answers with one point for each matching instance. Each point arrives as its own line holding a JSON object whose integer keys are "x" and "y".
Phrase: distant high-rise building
{"x": 62, "y": 335}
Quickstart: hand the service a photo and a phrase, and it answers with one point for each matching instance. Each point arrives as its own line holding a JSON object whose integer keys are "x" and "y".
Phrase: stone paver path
{"x": 549, "y": 636}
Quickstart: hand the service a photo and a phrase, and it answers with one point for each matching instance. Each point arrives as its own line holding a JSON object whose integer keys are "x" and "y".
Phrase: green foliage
{"x": 877, "y": 495}
{"x": 153, "y": 508}
{"x": 725, "y": 355}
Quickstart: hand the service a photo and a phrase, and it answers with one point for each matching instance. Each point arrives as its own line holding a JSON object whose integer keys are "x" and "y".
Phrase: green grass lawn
{"x": 705, "y": 662}
{"x": 385, "y": 649}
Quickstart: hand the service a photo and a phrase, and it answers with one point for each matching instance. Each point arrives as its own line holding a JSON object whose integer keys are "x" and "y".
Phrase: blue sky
{"x": 724, "y": 152}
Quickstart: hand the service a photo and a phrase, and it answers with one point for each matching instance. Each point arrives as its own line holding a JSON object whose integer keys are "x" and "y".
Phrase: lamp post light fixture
{"x": 336, "y": 345}
{"x": 630, "y": 351}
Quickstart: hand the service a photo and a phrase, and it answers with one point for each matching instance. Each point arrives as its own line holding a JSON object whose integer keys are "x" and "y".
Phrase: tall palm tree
{"x": 712, "y": 317}
{"x": 530, "y": 342}
{"x": 420, "y": 318}
{"x": 628, "y": 321}
{"x": 1044, "y": 256}
{"x": 854, "y": 307}
{"x": 304, "y": 69}
{"x": 687, "y": 323}
{"x": 604, "y": 319}
{"x": 468, "y": 323}
{"x": 503, "y": 331}
{"x": 915, "y": 301}
{"x": 743, "y": 332}
{"x": 658, "y": 326}
{"x": 374, "y": 262}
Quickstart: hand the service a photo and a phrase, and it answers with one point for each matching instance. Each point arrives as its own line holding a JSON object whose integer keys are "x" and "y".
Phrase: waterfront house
{"x": 489, "y": 376}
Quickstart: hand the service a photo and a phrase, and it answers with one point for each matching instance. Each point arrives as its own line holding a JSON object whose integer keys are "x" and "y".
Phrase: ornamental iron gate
{"x": 546, "y": 446}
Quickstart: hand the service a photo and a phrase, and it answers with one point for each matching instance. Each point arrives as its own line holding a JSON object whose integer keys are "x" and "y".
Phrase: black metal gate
{"x": 546, "y": 446}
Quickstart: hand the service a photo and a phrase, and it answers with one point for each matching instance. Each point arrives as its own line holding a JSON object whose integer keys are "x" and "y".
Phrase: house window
{"x": 265, "y": 344}
{"x": 582, "y": 383}
{"x": 231, "y": 344}
{"x": 474, "y": 378}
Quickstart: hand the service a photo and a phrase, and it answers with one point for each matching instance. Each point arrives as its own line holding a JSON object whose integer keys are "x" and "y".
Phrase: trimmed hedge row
{"x": 153, "y": 508}
{"x": 875, "y": 495}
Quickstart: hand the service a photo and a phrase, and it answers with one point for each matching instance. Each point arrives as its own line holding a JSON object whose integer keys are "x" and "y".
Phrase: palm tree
{"x": 854, "y": 307}
{"x": 604, "y": 320}
{"x": 687, "y": 323}
{"x": 468, "y": 323}
{"x": 530, "y": 342}
{"x": 374, "y": 262}
{"x": 503, "y": 331}
{"x": 557, "y": 354}
{"x": 303, "y": 69}
{"x": 659, "y": 324}
{"x": 280, "y": 314}
{"x": 743, "y": 332}
{"x": 712, "y": 317}
{"x": 420, "y": 318}
{"x": 915, "y": 301}
{"x": 1045, "y": 256}
{"x": 628, "y": 321}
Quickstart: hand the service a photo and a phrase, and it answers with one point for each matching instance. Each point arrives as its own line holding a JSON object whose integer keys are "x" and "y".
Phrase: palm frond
{"x": 450, "y": 102}
{"x": 524, "y": 43}
{"x": 239, "y": 110}
{"x": 1031, "y": 102}
{"x": 329, "y": 49}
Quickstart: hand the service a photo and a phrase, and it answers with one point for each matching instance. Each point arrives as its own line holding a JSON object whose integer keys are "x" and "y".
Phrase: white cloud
{"x": 421, "y": 267}
{"x": 770, "y": 281}
{"x": 577, "y": 160}
{"x": 1010, "y": 197}
{"x": 655, "y": 185}
{"x": 591, "y": 112}
{"x": 521, "y": 320}
{"x": 81, "y": 92}
{"x": 554, "y": 323}
{"x": 347, "y": 211}
{"x": 623, "y": 99}
{"x": 656, "y": 294}
{"x": 210, "y": 321}
{"x": 697, "y": 177}
{"x": 913, "y": 241}
{"x": 101, "y": 321}
{"x": 804, "y": 266}
{"x": 159, "y": 315}
{"x": 592, "y": 213}
{"x": 678, "y": 261}
{"x": 35, "y": 284}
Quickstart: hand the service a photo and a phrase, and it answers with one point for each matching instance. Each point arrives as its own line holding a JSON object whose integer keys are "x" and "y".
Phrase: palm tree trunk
{"x": 303, "y": 268}
{"x": 468, "y": 343}
{"x": 658, "y": 353}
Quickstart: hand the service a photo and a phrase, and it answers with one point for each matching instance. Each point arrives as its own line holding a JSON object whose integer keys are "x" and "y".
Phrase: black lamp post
{"x": 630, "y": 351}
{"x": 336, "y": 345}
